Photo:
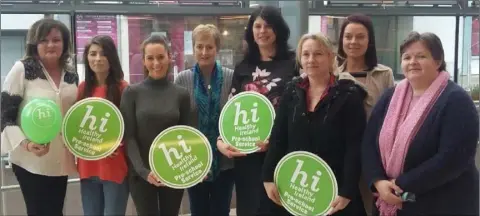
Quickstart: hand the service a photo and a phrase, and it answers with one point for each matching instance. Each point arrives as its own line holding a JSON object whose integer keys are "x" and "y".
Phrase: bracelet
{"x": 25, "y": 143}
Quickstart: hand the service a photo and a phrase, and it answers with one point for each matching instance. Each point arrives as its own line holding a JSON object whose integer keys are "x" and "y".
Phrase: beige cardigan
{"x": 377, "y": 81}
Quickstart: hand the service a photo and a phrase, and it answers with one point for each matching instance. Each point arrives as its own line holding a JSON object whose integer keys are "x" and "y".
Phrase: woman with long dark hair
{"x": 103, "y": 182}
{"x": 357, "y": 56}
{"x": 267, "y": 66}
{"x": 148, "y": 108}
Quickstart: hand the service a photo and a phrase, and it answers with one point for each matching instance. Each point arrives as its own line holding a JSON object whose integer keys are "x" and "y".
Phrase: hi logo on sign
{"x": 306, "y": 184}
{"x": 303, "y": 182}
{"x": 93, "y": 120}
{"x": 173, "y": 150}
{"x": 180, "y": 156}
{"x": 240, "y": 112}
{"x": 246, "y": 119}
{"x": 93, "y": 128}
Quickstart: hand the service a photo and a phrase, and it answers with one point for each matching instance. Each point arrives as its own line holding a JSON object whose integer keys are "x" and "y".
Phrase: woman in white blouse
{"x": 41, "y": 170}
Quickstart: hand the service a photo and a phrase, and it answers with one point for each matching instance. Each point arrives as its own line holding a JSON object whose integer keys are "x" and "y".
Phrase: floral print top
{"x": 268, "y": 78}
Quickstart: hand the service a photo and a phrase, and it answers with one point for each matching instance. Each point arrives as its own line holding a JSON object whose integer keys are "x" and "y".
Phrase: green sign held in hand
{"x": 181, "y": 157}
{"x": 306, "y": 184}
{"x": 93, "y": 128}
{"x": 246, "y": 119}
{"x": 41, "y": 120}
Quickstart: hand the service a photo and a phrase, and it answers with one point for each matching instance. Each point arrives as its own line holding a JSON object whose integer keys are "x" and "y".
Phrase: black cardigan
{"x": 440, "y": 164}
{"x": 333, "y": 132}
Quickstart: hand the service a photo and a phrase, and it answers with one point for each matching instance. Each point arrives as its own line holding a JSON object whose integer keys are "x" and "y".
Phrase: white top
{"x": 26, "y": 81}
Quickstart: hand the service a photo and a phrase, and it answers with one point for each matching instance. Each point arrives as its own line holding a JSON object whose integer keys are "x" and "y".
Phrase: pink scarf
{"x": 399, "y": 128}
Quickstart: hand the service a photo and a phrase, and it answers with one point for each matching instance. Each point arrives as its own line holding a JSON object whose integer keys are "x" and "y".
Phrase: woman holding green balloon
{"x": 37, "y": 91}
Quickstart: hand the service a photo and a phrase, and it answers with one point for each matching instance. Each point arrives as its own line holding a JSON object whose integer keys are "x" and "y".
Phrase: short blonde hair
{"x": 209, "y": 30}
{"x": 324, "y": 41}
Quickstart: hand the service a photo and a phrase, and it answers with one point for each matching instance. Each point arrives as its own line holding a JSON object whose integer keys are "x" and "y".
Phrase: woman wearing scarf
{"x": 209, "y": 85}
{"x": 420, "y": 143}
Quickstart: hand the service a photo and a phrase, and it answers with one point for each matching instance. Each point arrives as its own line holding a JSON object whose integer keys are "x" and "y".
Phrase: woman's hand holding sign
{"x": 338, "y": 204}
{"x": 115, "y": 153}
{"x": 152, "y": 179}
{"x": 228, "y": 150}
{"x": 272, "y": 192}
{"x": 263, "y": 146}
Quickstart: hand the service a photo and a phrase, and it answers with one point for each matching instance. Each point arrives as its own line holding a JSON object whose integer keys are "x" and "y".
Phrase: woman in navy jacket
{"x": 419, "y": 147}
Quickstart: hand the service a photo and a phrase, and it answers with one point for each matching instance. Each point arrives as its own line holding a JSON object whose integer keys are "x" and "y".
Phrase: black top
{"x": 333, "y": 131}
{"x": 439, "y": 167}
{"x": 148, "y": 108}
{"x": 268, "y": 78}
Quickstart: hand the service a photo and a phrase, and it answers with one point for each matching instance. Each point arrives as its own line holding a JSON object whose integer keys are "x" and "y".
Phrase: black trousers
{"x": 150, "y": 200}
{"x": 43, "y": 195}
{"x": 250, "y": 193}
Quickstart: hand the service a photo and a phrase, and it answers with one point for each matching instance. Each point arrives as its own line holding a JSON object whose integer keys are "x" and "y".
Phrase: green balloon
{"x": 41, "y": 120}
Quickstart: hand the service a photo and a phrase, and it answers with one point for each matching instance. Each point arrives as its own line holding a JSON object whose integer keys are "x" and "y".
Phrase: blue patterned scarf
{"x": 208, "y": 108}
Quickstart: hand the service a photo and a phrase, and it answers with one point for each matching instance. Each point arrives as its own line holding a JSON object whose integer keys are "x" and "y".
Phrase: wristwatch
{"x": 406, "y": 196}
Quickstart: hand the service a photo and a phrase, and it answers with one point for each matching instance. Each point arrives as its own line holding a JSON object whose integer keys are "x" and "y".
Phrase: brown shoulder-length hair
{"x": 115, "y": 74}
{"x": 40, "y": 30}
{"x": 155, "y": 39}
{"x": 431, "y": 41}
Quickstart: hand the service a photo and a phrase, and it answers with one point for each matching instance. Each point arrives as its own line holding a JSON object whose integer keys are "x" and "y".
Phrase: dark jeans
{"x": 43, "y": 195}
{"x": 250, "y": 193}
{"x": 101, "y": 197}
{"x": 212, "y": 198}
{"x": 151, "y": 200}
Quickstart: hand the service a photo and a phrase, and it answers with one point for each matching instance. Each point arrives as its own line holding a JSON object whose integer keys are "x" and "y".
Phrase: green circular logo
{"x": 246, "y": 119}
{"x": 180, "y": 156}
{"x": 93, "y": 128}
{"x": 306, "y": 184}
{"x": 40, "y": 119}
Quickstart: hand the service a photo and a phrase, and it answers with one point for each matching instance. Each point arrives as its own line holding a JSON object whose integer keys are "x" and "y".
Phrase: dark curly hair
{"x": 273, "y": 17}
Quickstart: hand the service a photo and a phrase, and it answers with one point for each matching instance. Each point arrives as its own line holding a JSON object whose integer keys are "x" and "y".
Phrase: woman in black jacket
{"x": 321, "y": 113}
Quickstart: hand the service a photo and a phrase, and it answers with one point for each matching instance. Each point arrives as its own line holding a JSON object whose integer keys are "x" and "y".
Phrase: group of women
{"x": 395, "y": 150}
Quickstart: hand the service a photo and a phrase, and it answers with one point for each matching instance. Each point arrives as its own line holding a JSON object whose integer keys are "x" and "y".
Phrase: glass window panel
{"x": 178, "y": 30}
{"x": 390, "y": 31}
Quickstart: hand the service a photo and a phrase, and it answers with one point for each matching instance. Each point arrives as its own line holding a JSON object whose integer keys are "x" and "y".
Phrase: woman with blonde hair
{"x": 321, "y": 113}
{"x": 209, "y": 85}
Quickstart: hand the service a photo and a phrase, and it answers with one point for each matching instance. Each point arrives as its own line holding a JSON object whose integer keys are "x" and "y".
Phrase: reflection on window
{"x": 179, "y": 31}
{"x": 390, "y": 31}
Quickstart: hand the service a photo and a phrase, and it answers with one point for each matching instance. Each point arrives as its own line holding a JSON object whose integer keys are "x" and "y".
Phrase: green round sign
{"x": 93, "y": 128}
{"x": 246, "y": 119}
{"x": 180, "y": 156}
{"x": 306, "y": 184}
